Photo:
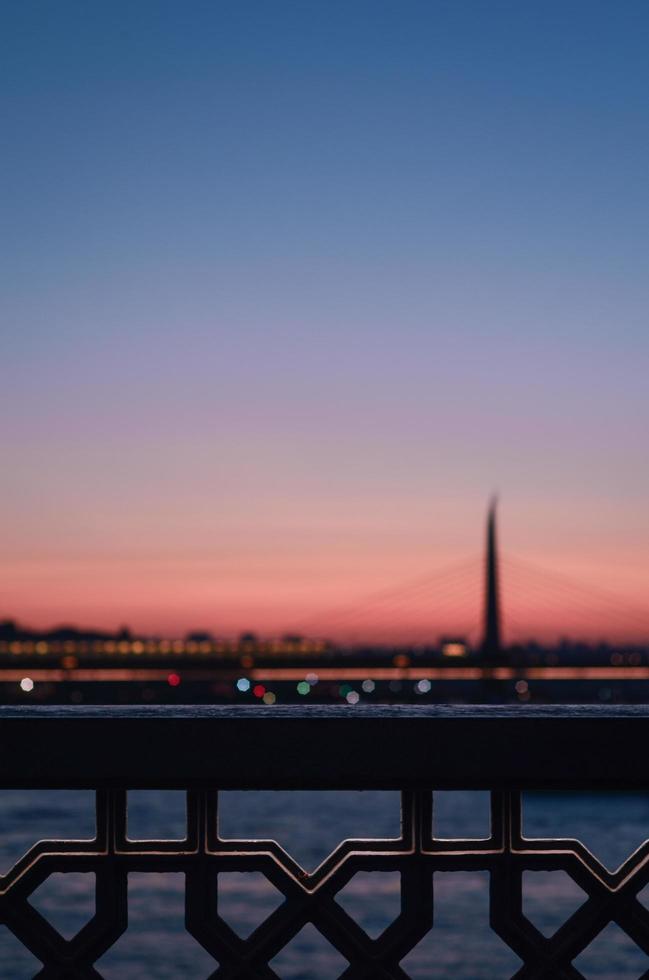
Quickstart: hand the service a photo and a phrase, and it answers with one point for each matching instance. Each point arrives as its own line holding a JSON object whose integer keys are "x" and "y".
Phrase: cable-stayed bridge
{"x": 493, "y": 601}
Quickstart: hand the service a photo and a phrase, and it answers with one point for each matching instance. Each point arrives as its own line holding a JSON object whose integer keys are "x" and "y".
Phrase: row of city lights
{"x": 27, "y": 683}
{"x": 245, "y": 686}
{"x": 303, "y": 688}
{"x": 138, "y": 647}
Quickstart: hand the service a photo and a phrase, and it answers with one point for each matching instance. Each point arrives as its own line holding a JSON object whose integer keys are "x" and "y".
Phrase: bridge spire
{"x": 491, "y": 644}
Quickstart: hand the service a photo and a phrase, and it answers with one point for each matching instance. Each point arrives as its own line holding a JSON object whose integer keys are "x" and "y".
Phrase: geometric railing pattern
{"x": 504, "y": 750}
{"x": 311, "y": 898}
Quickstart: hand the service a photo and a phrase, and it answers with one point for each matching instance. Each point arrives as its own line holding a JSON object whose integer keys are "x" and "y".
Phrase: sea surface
{"x": 309, "y": 825}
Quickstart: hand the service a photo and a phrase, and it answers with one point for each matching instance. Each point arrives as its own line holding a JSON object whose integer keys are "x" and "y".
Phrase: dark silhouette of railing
{"x": 504, "y": 750}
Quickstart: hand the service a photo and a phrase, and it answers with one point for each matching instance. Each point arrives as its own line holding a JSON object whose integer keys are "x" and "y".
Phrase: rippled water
{"x": 309, "y": 825}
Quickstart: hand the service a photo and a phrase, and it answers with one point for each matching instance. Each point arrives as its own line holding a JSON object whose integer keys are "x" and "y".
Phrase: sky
{"x": 289, "y": 289}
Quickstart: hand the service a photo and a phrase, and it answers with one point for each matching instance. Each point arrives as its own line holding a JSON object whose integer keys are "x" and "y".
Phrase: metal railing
{"x": 417, "y": 751}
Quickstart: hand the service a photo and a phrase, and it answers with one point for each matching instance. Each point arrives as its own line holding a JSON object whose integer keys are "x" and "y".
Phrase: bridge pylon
{"x": 492, "y": 638}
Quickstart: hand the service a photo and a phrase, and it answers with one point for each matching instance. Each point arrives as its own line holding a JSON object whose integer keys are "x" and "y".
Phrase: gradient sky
{"x": 289, "y": 288}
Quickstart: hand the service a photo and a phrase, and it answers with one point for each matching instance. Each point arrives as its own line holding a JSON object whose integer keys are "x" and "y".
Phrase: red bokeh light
{"x": 173, "y": 680}
{"x": 259, "y": 690}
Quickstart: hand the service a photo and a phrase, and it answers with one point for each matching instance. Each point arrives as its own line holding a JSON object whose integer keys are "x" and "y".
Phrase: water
{"x": 309, "y": 825}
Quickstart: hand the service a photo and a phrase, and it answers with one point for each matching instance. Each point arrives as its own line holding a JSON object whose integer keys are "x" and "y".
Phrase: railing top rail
{"x": 349, "y": 712}
{"x": 322, "y": 747}
{"x": 243, "y": 712}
